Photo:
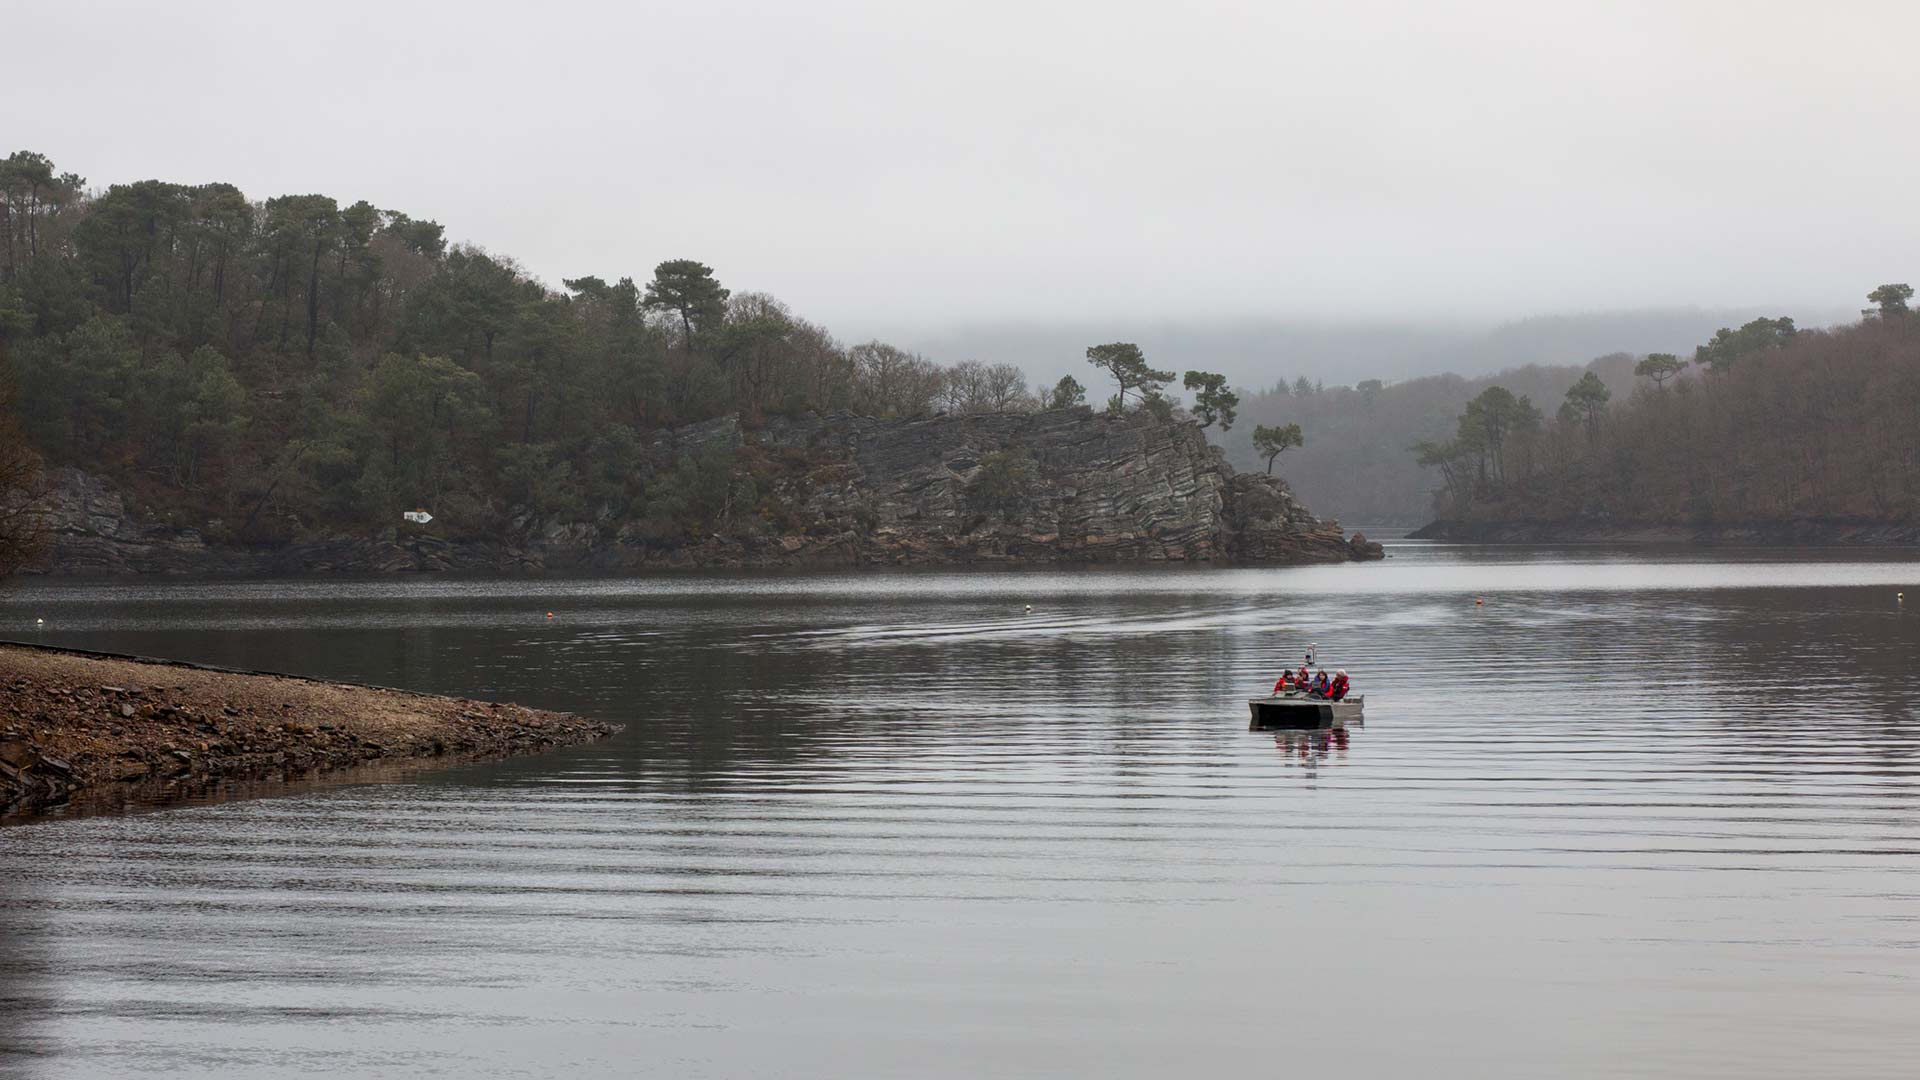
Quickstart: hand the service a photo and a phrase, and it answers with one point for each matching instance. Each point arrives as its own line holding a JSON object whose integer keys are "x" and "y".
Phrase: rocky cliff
{"x": 1063, "y": 486}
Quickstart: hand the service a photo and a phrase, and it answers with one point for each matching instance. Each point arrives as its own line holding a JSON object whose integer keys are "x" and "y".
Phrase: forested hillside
{"x": 1767, "y": 423}
{"x": 262, "y": 371}
{"x": 1355, "y": 462}
{"x": 259, "y": 369}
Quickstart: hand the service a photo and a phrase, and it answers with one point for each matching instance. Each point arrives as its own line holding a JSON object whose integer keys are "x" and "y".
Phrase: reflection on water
{"x": 1651, "y": 816}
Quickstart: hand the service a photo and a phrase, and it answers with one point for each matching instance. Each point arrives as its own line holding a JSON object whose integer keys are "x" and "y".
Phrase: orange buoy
{"x": 1478, "y": 602}
{"x": 549, "y": 614}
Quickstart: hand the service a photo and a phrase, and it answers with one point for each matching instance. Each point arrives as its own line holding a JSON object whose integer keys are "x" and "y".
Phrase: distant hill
{"x": 1257, "y": 353}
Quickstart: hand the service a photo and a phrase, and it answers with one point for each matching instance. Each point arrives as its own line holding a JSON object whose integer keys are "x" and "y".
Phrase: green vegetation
{"x": 303, "y": 365}
{"x": 1127, "y": 365}
{"x": 1271, "y": 442}
{"x": 1774, "y": 424}
{"x": 1065, "y": 394}
{"x": 1890, "y": 300}
{"x": 1729, "y": 346}
{"x": 1004, "y": 484}
{"x": 1586, "y": 403}
{"x": 22, "y": 531}
{"x": 1495, "y": 422}
{"x": 1659, "y": 367}
{"x": 1213, "y": 400}
{"x": 1355, "y": 464}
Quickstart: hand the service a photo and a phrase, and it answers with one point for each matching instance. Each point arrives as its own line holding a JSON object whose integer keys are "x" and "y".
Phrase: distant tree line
{"x": 260, "y": 368}
{"x": 1344, "y": 448}
{"x": 1768, "y": 422}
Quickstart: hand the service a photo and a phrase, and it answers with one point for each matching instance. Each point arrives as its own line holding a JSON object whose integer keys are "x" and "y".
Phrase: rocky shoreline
{"x": 1065, "y": 486}
{"x": 77, "y": 726}
{"x": 1803, "y": 532}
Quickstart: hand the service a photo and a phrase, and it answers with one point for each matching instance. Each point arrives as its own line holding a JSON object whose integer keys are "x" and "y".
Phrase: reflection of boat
{"x": 1294, "y": 711}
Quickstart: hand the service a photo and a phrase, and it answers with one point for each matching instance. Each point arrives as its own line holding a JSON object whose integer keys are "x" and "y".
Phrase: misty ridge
{"x": 1254, "y": 353}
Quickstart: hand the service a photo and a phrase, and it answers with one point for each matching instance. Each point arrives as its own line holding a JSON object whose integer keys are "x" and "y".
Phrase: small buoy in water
{"x": 1029, "y": 607}
{"x": 39, "y": 622}
{"x": 1478, "y": 602}
{"x": 549, "y": 614}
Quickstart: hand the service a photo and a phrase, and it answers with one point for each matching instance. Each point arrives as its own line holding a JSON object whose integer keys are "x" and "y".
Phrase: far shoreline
{"x": 1790, "y": 533}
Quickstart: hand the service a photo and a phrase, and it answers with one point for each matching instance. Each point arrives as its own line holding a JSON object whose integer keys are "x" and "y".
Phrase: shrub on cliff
{"x": 1005, "y": 484}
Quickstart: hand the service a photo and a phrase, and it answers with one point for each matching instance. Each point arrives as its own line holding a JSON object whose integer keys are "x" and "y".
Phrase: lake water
{"x": 1642, "y": 814}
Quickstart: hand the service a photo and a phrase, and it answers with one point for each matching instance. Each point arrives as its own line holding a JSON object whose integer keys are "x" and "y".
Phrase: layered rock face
{"x": 1062, "y": 486}
{"x": 93, "y": 532}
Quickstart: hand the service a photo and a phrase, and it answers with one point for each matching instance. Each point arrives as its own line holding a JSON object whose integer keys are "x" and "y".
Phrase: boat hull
{"x": 1298, "y": 712}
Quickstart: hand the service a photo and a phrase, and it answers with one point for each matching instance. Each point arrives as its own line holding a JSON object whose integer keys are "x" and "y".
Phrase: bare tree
{"x": 1003, "y": 388}
{"x": 973, "y": 387}
{"x": 893, "y": 382}
{"x": 963, "y": 387}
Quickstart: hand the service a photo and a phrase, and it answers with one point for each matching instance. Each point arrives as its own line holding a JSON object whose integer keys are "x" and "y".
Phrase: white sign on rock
{"x": 418, "y": 517}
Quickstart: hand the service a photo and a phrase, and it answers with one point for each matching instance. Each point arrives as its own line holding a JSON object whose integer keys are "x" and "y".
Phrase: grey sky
{"x": 887, "y": 166}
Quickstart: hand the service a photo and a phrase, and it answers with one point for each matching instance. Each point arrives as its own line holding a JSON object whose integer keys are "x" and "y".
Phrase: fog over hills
{"x": 1254, "y": 353}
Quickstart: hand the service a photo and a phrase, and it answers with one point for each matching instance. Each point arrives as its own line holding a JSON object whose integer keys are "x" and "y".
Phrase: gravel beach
{"x": 75, "y": 725}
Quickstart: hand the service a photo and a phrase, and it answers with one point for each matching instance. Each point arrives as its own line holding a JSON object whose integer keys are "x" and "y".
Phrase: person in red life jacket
{"x": 1320, "y": 684}
{"x": 1285, "y": 685}
{"x": 1340, "y": 684}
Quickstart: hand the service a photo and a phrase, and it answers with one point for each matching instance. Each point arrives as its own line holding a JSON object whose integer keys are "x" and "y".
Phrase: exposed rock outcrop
{"x": 93, "y": 532}
{"x": 1062, "y": 486}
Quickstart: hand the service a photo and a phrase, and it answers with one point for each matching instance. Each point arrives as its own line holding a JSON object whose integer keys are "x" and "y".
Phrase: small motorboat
{"x": 1295, "y": 711}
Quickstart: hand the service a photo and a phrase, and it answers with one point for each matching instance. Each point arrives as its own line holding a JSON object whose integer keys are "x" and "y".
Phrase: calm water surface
{"x": 1639, "y": 815}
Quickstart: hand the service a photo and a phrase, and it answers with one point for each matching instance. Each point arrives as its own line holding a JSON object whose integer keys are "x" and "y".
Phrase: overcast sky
{"x": 886, "y": 165}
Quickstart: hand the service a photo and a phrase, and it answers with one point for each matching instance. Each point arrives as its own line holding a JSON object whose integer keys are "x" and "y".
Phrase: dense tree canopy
{"x": 1784, "y": 424}
{"x": 264, "y": 369}
{"x": 22, "y": 523}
